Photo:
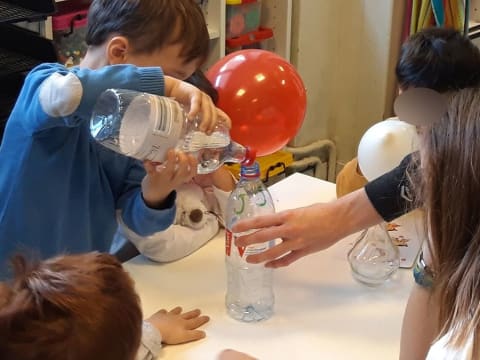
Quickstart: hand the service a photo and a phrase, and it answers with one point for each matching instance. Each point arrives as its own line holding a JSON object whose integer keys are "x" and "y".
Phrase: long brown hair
{"x": 450, "y": 191}
{"x": 69, "y": 307}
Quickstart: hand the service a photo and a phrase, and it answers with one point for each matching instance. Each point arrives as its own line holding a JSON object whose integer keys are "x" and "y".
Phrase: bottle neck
{"x": 238, "y": 153}
{"x": 250, "y": 172}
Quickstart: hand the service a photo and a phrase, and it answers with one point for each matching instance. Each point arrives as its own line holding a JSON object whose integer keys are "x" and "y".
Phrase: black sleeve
{"x": 391, "y": 194}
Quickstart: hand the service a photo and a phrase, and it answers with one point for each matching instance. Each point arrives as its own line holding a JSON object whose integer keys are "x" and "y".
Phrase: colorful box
{"x": 69, "y": 27}
{"x": 243, "y": 16}
{"x": 270, "y": 165}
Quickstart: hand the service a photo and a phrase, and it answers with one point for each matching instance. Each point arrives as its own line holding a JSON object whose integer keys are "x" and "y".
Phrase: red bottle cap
{"x": 250, "y": 156}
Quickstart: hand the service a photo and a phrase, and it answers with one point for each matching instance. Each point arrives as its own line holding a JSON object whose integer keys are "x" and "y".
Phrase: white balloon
{"x": 384, "y": 145}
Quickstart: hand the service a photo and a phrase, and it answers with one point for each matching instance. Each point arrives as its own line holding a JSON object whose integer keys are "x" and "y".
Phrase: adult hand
{"x": 177, "y": 327}
{"x": 306, "y": 230}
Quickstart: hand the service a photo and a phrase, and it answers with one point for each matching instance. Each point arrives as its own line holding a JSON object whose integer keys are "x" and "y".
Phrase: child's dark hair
{"x": 150, "y": 25}
{"x": 440, "y": 59}
{"x": 69, "y": 307}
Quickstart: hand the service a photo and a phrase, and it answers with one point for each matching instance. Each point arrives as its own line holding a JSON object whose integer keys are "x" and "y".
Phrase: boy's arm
{"x": 54, "y": 96}
{"x": 135, "y": 215}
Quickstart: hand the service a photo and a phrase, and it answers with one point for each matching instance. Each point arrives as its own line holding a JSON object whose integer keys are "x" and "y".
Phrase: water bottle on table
{"x": 145, "y": 126}
{"x": 249, "y": 295}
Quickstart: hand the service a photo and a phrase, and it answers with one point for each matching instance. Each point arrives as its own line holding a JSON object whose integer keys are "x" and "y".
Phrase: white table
{"x": 320, "y": 311}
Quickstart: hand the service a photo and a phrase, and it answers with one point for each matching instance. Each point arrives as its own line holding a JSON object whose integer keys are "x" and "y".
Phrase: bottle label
{"x": 242, "y": 252}
{"x": 228, "y": 242}
{"x": 167, "y": 119}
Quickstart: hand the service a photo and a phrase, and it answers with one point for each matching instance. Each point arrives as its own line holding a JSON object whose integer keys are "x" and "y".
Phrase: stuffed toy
{"x": 192, "y": 206}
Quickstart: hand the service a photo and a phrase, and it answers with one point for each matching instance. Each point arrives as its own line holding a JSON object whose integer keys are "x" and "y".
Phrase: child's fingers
{"x": 161, "y": 311}
{"x": 149, "y": 166}
{"x": 207, "y": 115}
{"x": 193, "y": 335}
{"x": 195, "y": 104}
{"x": 222, "y": 116}
{"x": 184, "y": 171}
{"x": 193, "y": 163}
{"x": 191, "y": 314}
{"x": 169, "y": 166}
{"x": 197, "y": 322}
{"x": 176, "y": 310}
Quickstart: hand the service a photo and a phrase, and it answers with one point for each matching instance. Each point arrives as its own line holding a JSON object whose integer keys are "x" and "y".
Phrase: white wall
{"x": 345, "y": 51}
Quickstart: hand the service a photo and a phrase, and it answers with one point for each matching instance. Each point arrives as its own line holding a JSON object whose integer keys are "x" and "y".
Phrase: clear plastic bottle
{"x": 374, "y": 258}
{"x": 145, "y": 126}
{"x": 249, "y": 294}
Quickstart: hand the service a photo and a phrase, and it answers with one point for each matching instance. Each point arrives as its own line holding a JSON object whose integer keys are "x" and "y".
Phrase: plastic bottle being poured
{"x": 145, "y": 126}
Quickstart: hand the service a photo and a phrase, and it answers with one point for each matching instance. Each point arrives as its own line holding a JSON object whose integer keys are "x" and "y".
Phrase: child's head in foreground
{"x": 169, "y": 33}
{"x": 438, "y": 58}
{"x": 69, "y": 307}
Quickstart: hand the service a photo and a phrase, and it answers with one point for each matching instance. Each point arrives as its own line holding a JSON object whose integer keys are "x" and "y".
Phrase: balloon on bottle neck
{"x": 384, "y": 145}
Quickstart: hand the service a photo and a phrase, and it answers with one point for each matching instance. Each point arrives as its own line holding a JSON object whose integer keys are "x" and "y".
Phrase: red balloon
{"x": 264, "y": 96}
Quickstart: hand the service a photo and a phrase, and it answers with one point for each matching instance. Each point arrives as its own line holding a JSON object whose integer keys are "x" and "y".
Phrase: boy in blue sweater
{"x": 60, "y": 189}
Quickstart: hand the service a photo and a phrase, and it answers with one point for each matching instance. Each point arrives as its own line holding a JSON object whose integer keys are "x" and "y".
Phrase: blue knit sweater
{"x": 59, "y": 189}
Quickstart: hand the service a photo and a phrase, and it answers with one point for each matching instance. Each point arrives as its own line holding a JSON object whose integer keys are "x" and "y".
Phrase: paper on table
{"x": 408, "y": 233}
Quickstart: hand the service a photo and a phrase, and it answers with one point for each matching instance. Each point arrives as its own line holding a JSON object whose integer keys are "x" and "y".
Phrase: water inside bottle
{"x": 209, "y": 150}
{"x": 247, "y": 283}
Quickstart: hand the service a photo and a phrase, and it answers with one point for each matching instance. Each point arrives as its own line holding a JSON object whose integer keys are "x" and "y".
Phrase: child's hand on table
{"x": 177, "y": 327}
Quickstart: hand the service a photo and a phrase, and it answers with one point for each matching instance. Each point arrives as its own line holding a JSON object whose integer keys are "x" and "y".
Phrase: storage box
{"x": 270, "y": 165}
{"x": 69, "y": 29}
{"x": 243, "y": 16}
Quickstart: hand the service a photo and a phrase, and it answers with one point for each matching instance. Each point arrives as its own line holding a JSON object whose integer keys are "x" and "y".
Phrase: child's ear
{"x": 117, "y": 50}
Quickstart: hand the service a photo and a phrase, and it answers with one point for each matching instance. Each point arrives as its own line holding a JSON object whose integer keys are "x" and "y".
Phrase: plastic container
{"x": 243, "y": 16}
{"x": 69, "y": 27}
{"x": 249, "y": 296}
{"x": 145, "y": 126}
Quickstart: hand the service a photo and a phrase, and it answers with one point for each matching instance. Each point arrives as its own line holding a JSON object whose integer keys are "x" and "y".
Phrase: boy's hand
{"x": 220, "y": 178}
{"x": 197, "y": 102}
{"x": 162, "y": 179}
{"x": 177, "y": 327}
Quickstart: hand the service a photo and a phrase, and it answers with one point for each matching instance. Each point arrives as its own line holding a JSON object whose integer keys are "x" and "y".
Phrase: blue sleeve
{"x": 125, "y": 177}
{"x": 130, "y": 77}
{"x": 136, "y": 215}
{"x": 54, "y": 96}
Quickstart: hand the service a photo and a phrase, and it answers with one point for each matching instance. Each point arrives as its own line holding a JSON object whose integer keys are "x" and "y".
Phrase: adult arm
{"x": 391, "y": 194}
{"x": 308, "y": 229}
{"x": 314, "y": 228}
